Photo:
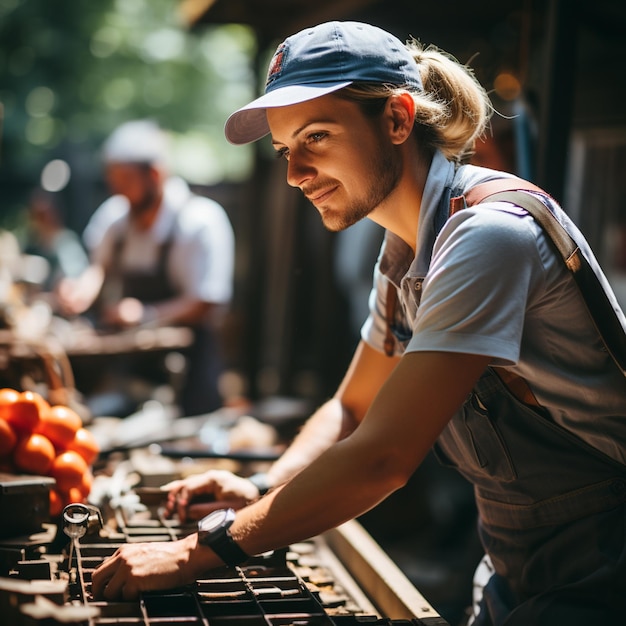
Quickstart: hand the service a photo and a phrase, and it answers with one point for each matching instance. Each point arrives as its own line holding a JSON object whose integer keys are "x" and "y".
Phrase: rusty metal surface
{"x": 313, "y": 583}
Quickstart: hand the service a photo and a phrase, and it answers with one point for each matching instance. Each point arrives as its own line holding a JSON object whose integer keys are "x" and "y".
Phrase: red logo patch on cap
{"x": 276, "y": 64}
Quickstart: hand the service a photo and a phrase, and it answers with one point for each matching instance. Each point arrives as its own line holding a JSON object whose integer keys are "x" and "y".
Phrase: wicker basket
{"x": 40, "y": 365}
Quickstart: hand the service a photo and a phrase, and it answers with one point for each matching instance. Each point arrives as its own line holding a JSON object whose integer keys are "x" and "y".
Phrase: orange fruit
{"x": 74, "y": 494}
{"x": 85, "y": 444}
{"x": 86, "y": 483}
{"x": 7, "y": 399}
{"x": 26, "y": 411}
{"x": 56, "y": 503}
{"x": 8, "y": 438}
{"x": 6, "y": 465}
{"x": 59, "y": 423}
{"x": 68, "y": 469}
{"x": 34, "y": 454}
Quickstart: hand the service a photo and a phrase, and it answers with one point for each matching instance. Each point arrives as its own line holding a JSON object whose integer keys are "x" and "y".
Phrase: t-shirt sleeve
{"x": 374, "y": 329}
{"x": 111, "y": 210}
{"x": 203, "y": 260}
{"x": 102, "y": 253}
{"x": 484, "y": 274}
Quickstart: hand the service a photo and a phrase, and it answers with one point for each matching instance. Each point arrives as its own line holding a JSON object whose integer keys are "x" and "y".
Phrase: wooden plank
{"x": 380, "y": 578}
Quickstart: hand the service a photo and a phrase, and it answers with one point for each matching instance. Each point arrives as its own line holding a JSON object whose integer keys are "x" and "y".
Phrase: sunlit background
{"x": 72, "y": 71}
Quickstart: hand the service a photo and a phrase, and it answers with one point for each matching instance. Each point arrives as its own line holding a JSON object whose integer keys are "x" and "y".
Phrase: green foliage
{"x": 71, "y": 71}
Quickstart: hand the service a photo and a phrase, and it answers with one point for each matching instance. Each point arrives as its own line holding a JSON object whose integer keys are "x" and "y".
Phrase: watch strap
{"x": 228, "y": 550}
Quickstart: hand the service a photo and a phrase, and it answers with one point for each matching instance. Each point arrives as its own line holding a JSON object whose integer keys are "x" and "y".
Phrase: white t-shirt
{"x": 201, "y": 259}
{"x": 493, "y": 285}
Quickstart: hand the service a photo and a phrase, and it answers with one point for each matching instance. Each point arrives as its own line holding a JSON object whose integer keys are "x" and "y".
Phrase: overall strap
{"x": 513, "y": 190}
{"x": 596, "y": 300}
{"x": 391, "y": 304}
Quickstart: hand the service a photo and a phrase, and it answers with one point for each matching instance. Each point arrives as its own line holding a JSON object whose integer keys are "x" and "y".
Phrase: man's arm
{"x": 182, "y": 310}
{"x": 344, "y": 481}
{"x": 76, "y": 295}
{"x": 406, "y": 417}
{"x": 333, "y": 421}
{"x": 338, "y": 417}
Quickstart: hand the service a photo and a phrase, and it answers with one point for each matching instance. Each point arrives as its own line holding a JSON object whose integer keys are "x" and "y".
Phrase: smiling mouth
{"x": 320, "y": 196}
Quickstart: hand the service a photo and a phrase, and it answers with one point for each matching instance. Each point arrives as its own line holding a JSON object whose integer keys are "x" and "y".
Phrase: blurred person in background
{"x": 162, "y": 256}
{"x": 48, "y": 237}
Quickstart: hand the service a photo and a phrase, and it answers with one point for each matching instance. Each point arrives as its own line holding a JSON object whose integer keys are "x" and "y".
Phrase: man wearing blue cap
{"x": 478, "y": 343}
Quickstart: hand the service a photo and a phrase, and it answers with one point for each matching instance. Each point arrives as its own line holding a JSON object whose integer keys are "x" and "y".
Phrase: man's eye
{"x": 315, "y": 137}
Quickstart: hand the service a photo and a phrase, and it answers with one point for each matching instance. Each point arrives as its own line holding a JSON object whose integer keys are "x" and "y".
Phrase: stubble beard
{"x": 146, "y": 202}
{"x": 384, "y": 179}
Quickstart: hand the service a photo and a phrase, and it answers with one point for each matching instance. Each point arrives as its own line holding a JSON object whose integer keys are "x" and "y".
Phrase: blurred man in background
{"x": 161, "y": 256}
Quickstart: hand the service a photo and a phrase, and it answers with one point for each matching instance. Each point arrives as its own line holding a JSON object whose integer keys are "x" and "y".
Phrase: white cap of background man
{"x": 137, "y": 141}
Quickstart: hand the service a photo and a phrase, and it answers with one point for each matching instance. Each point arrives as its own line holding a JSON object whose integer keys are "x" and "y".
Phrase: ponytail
{"x": 451, "y": 112}
{"x": 453, "y": 109}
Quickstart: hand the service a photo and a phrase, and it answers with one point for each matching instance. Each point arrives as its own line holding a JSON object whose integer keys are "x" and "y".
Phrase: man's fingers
{"x": 129, "y": 591}
{"x": 97, "y": 586}
{"x": 174, "y": 484}
{"x": 112, "y": 582}
{"x": 198, "y": 511}
{"x": 101, "y": 576}
{"x": 114, "y": 587}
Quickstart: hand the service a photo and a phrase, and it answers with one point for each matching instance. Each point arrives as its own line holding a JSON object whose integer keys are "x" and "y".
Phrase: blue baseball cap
{"x": 320, "y": 60}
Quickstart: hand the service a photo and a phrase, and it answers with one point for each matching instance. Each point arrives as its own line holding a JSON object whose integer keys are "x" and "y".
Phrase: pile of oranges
{"x": 37, "y": 438}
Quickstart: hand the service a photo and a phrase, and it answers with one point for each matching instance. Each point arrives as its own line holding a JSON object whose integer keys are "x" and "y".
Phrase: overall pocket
{"x": 473, "y": 444}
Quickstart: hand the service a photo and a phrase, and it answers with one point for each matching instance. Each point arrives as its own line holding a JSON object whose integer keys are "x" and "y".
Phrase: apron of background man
{"x": 199, "y": 393}
{"x": 552, "y": 512}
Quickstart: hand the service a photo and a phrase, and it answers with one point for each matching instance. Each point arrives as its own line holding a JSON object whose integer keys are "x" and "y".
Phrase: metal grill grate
{"x": 306, "y": 585}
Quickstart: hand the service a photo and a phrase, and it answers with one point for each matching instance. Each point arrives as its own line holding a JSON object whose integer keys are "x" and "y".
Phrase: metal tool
{"x": 78, "y": 520}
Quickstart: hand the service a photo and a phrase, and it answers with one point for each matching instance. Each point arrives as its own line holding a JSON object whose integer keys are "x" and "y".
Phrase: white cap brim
{"x": 249, "y": 123}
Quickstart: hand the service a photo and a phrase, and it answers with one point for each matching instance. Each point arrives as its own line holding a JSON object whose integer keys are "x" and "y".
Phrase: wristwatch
{"x": 213, "y": 532}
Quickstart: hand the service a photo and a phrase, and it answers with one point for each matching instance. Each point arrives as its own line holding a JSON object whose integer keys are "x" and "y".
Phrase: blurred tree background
{"x": 70, "y": 72}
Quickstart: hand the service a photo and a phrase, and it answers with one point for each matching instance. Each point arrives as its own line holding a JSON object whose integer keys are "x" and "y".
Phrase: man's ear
{"x": 401, "y": 113}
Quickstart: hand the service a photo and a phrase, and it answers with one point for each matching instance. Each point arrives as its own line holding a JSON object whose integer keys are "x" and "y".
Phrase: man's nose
{"x": 299, "y": 171}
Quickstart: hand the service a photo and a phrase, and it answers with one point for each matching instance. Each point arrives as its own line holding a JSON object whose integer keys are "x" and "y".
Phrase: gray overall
{"x": 552, "y": 513}
{"x": 552, "y": 509}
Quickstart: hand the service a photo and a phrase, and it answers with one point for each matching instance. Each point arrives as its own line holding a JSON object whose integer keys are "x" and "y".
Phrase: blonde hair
{"x": 451, "y": 112}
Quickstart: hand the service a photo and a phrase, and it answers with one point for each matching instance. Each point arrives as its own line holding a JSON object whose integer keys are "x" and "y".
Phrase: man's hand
{"x": 75, "y": 295}
{"x": 126, "y": 313}
{"x": 215, "y": 489}
{"x": 137, "y": 567}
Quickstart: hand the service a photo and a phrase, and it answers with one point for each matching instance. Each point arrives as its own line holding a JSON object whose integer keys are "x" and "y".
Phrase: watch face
{"x": 213, "y": 532}
{"x": 217, "y": 519}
